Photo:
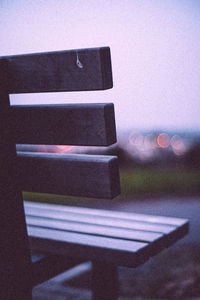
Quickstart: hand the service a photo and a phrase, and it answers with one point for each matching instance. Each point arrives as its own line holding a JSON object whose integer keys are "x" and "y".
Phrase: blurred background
{"x": 155, "y": 50}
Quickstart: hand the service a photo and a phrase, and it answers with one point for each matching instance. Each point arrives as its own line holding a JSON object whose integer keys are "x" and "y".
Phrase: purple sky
{"x": 155, "y": 46}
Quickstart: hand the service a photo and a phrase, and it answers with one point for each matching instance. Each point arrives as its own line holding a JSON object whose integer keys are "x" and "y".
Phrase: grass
{"x": 152, "y": 181}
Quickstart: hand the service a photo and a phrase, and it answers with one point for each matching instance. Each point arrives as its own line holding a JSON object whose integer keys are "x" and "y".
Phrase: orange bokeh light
{"x": 163, "y": 140}
{"x": 178, "y": 145}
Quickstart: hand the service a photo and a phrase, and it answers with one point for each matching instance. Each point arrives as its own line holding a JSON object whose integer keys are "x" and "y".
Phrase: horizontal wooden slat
{"x": 171, "y": 221}
{"x": 70, "y": 124}
{"x": 72, "y": 70}
{"x": 99, "y": 220}
{"x": 94, "y": 229}
{"x": 122, "y": 252}
{"x": 76, "y": 175}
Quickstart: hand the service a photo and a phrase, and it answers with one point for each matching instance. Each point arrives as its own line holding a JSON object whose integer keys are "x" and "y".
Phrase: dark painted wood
{"x": 76, "y": 175}
{"x": 73, "y": 70}
{"x": 105, "y": 285}
{"x": 14, "y": 253}
{"x": 70, "y": 124}
{"x": 45, "y": 266}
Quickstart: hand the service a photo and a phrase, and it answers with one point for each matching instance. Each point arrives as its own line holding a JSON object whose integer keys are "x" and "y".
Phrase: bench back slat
{"x": 73, "y": 70}
{"x": 76, "y": 175}
{"x": 70, "y": 124}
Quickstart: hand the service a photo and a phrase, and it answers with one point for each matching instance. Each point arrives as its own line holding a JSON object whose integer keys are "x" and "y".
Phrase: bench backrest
{"x": 71, "y": 124}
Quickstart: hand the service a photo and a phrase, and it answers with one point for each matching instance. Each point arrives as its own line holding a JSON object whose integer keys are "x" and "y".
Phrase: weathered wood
{"x": 73, "y": 70}
{"x": 14, "y": 251}
{"x": 70, "y": 124}
{"x": 76, "y": 175}
{"x": 105, "y": 285}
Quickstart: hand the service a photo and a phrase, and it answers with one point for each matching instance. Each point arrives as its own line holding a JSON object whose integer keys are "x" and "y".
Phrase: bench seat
{"x": 113, "y": 237}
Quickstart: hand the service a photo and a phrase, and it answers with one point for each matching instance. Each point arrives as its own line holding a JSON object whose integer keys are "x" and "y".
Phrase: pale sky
{"x": 155, "y": 48}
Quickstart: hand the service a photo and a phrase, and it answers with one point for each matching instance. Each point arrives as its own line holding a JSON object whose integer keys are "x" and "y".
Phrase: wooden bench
{"x": 63, "y": 236}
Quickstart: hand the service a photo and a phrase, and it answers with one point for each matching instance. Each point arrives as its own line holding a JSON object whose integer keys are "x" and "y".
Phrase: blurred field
{"x": 165, "y": 181}
{"x": 141, "y": 183}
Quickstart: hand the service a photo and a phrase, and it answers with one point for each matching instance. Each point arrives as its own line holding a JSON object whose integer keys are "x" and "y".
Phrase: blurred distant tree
{"x": 192, "y": 157}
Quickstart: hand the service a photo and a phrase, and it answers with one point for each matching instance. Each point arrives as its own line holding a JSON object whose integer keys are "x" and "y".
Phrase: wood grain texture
{"x": 70, "y": 124}
{"x": 103, "y": 236}
{"x": 72, "y": 70}
{"x": 76, "y": 175}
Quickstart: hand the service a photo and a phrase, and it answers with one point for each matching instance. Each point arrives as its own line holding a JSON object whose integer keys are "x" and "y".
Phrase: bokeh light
{"x": 163, "y": 140}
{"x": 178, "y": 145}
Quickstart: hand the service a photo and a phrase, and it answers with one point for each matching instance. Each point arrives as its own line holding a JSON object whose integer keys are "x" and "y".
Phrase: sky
{"x": 155, "y": 49}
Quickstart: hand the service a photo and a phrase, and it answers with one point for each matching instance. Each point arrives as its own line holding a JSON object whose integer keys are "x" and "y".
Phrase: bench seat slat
{"x": 76, "y": 175}
{"x": 69, "y": 124}
{"x": 71, "y": 237}
{"x": 109, "y": 213}
{"x": 99, "y": 220}
{"x": 72, "y": 70}
{"x": 88, "y": 246}
{"x": 110, "y": 231}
